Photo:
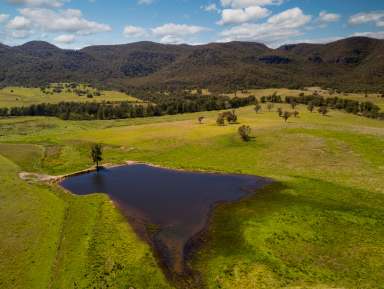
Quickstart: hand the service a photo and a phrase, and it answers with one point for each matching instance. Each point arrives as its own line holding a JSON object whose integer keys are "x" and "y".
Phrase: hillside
{"x": 350, "y": 64}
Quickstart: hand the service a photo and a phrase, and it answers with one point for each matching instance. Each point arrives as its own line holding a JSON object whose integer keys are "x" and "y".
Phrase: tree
{"x": 323, "y": 110}
{"x": 220, "y": 119}
{"x": 200, "y": 119}
{"x": 310, "y": 107}
{"x": 245, "y": 132}
{"x": 293, "y": 104}
{"x": 286, "y": 115}
{"x": 296, "y": 113}
{"x": 280, "y": 112}
{"x": 257, "y": 108}
{"x": 270, "y": 106}
{"x": 97, "y": 154}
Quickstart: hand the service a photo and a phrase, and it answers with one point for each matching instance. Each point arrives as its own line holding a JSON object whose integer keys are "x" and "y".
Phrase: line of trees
{"x": 366, "y": 108}
{"x": 120, "y": 110}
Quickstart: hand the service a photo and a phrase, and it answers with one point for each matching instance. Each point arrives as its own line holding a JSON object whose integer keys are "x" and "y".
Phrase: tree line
{"x": 125, "y": 109}
{"x": 365, "y": 108}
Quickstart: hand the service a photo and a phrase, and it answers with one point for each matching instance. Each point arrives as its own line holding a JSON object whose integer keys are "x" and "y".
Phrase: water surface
{"x": 175, "y": 203}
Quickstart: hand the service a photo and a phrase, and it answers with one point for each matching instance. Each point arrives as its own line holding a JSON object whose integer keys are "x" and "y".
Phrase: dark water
{"x": 176, "y": 202}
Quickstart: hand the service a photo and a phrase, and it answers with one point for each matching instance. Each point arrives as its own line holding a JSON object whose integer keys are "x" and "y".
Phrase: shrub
{"x": 245, "y": 132}
{"x": 220, "y": 119}
{"x": 286, "y": 115}
{"x": 310, "y": 107}
{"x": 323, "y": 110}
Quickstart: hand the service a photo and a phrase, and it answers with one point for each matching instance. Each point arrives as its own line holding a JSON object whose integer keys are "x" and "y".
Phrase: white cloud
{"x": 19, "y": 33}
{"x": 378, "y": 35}
{"x": 211, "y": 8}
{"x": 176, "y": 33}
{"x": 253, "y": 13}
{"x": 19, "y": 23}
{"x": 249, "y": 3}
{"x": 276, "y": 30}
{"x": 37, "y": 3}
{"x": 177, "y": 29}
{"x": 69, "y": 20}
{"x": 325, "y": 17}
{"x": 3, "y": 17}
{"x": 65, "y": 39}
{"x": 134, "y": 31}
{"x": 376, "y": 17}
{"x": 145, "y": 2}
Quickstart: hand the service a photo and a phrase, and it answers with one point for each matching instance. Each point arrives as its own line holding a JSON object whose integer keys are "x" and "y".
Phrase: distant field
{"x": 320, "y": 226}
{"x": 21, "y": 96}
{"x": 373, "y": 97}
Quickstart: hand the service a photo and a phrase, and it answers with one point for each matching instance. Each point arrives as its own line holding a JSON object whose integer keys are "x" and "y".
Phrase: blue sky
{"x": 79, "y": 23}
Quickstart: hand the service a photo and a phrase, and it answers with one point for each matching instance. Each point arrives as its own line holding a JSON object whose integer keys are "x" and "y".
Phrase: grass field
{"x": 22, "y": 96}
{"x": 320, "y": 226}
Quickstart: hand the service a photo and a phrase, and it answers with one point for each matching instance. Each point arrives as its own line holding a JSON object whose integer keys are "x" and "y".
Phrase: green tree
{"x": 286, "y": 115}
{"x": 257, "y": 108}
{"x": 280, "y": 112}
{"x": 245, "y": 132}
{"x": 293, "y": 104}
{"x": 323, "y": 110}
{"x": 310, "y": 107}
{"x": 97, "y": 154}
{"x": 220, "y": 119}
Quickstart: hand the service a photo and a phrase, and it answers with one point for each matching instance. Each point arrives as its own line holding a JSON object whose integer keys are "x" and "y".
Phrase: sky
{"x": 78, "y": 23}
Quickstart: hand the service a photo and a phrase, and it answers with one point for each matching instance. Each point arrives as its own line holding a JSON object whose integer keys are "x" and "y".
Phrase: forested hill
{"x": 349, "y": 64}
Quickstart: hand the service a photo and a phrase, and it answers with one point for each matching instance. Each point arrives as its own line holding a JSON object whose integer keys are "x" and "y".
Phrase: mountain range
{"x": 349, "y": 64}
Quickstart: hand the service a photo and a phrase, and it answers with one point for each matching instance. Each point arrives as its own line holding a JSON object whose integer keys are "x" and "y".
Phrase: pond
{"x": 174, "y": 204}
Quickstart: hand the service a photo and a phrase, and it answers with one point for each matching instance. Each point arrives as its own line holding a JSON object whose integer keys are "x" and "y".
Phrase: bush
{"x": 245, "y": 132}
{"x": 220, "y": 119}
{"x": 323, "y": 110}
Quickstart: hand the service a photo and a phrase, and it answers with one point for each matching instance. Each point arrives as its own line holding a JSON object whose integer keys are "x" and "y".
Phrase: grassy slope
{"x": 51, "y": 239}
{"x": 321, "y": 227}
{"x": 22, "y": 96}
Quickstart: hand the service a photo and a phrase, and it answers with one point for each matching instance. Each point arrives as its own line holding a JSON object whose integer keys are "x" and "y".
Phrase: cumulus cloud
{"x": 325, "y": 17}
{"x": 19, "y": 23}
{"x": 47, "y": 20}
{"x": 277, "y": 29}
{"x": 376, "y": 17}
{"x": 249, "y": 3}
{"x": 241, "y": 15}
{"x": 65, "y": 39}
{"x": 3, "y": 18}
{"x": 176, "y": 33}
{"x": 37, "y": 3}
{"x": 134, "y": 31}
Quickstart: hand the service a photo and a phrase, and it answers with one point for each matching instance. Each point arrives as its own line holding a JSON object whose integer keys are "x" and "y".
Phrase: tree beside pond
{"x": 97, "y": 154}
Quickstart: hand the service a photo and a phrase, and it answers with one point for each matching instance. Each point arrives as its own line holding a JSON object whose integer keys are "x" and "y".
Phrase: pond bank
{"x": 166, "y": 207}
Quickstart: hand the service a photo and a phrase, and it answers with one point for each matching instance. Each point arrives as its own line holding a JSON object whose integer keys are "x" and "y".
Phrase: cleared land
{"x": 321, "y": 226}
{"x": 23, "y": 96}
